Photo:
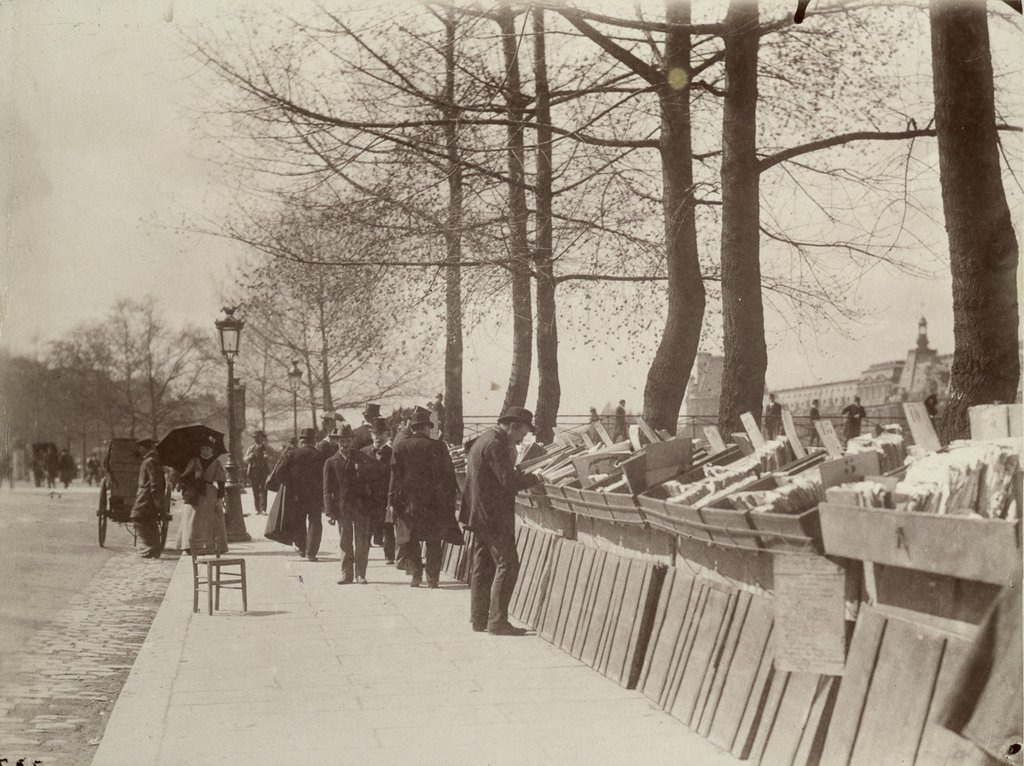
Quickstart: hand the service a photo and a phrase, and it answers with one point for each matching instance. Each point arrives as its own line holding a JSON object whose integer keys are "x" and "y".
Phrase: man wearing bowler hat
{"x": 257, "y": 468}
{"x": 362, "y": 436}
{"x": 422, "y": 497}
{"x": 349, "y": 477}
{"x": 403, "y": 433}
{"x": 488, "y": 509}
{"x": 149, "y": 499}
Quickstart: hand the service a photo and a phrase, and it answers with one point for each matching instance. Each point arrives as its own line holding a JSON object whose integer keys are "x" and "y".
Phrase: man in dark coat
{"x": 488, "y": 509}
{"x": 621, "y": 427}
{"x": 772, "y": 420}
{"x": 854, "y": 414}
{"x": 422, "y": 496}
{"x": 257, "y": 468}
{"x": 815, "y": 415}
{"x": 381, "y": 528}
{"x": 362, "y": 436}
{"x": 405, "y": 431}
{"x": 300, "y": 472}
{"x": 349, "y": 477}
{"x": 149, "y": 499}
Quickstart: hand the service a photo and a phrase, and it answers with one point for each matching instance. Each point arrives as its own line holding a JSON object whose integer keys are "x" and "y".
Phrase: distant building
{"x": 910, "y": 379}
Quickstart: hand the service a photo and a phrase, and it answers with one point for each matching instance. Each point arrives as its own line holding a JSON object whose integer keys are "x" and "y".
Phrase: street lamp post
{"x": 230, "y": 330}
{"x": 294, "y": 379}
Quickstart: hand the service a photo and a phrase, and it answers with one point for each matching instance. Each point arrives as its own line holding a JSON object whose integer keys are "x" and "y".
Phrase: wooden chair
{"x": 206, "y": 553}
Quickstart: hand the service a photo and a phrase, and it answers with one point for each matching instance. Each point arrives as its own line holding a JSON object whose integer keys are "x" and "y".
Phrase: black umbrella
{"x": 181, "y": 444}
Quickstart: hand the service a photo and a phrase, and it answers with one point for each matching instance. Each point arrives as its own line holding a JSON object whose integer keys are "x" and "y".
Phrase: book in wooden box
{"x": 966, "y": 547}
{"x": 775, "y": 531}
{"x": 608, "y": 506}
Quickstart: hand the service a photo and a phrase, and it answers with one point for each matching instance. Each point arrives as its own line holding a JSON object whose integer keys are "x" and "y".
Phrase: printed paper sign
{"x": 810, "y": 607}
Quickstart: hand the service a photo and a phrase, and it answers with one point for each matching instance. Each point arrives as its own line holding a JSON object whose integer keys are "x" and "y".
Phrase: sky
{"x": 99, "y": 115}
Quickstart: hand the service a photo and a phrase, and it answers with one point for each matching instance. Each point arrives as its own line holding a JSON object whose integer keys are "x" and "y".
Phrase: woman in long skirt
{"x": 202, "y": 482}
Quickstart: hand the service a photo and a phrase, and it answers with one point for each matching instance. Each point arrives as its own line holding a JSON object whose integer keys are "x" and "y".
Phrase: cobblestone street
{"x": 57, "y": 688}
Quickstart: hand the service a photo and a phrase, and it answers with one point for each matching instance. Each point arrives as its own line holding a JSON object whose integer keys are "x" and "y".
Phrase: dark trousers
{"x": 414, "y": 559}
{"x": 148, "y": 531}
{"x": 493, "y": 578}
{"x": 354, "y": 531}
{"x": 259, "y": 492}
{"x": 308, "y": 540}
{"x": 384, "y": 535}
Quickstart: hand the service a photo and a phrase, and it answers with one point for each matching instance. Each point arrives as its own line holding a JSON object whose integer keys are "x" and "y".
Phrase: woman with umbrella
{"x": 202, "y": 489}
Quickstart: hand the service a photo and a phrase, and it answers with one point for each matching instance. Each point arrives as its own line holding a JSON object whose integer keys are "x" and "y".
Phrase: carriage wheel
{"x": 101, "y": 514}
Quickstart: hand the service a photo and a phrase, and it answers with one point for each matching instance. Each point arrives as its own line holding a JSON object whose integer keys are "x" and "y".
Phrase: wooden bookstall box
{"x": 966, "y": 547}
{"x": 688, "y": 520}
{"x": 609, "y": 506}
{"x": 775, "y": 531}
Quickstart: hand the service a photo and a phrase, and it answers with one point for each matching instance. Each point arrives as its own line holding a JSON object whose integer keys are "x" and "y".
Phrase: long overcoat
{"x": 492, "y": 481}
{"x": 382, "y": 486}
{"x": 349, "y": 484}
{"x": 300, "y": 472}
{"x": 423, "y": 491}
{"x": 152, "y": 489}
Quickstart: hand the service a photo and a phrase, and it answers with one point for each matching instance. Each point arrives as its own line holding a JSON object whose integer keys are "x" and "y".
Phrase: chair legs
{"x": 214, "y": 583}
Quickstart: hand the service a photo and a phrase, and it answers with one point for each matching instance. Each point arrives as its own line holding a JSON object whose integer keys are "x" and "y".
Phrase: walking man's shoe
{"x": 389, "y": 562}
{"x": 361, "y": 580}
{"x": 433, "y": 584}
{"x": 416, "y": 582}
{"x": 314, "y": 559}
{"x": 479, "y": 628}
{"x": 345, "y": 581}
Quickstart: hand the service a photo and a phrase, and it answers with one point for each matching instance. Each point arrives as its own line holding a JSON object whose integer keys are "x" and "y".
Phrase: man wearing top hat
{"x": 488, "y": 509}
{"x": 363, "y": 435}
{"x": 300, "y": 472}
{"x": 257, "y": 468}
{"x": 149, "y": 499}
{"x": 381, "y": 528}
{"x": 422, "y": 496}
{"x": 349, "y": 478}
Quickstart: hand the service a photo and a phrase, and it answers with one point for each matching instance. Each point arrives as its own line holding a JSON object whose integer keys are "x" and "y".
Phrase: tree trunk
{"x": 522, "y": 311}
{"x": 670, "y": 370}
{"x": 746, "y": 356}
{"x": 549, "y": 390}
{"x": 453, "y": 427}
{"x": 982, "y": 245}
{"x": 325, "y": 351}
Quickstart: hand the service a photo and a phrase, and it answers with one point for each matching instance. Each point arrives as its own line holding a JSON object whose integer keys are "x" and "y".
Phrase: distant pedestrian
{"x": 349, "y": 477}
{"x": 382, "y": 529}
{"x": 488, "y": 509}
{"x": 931, "y": 405}
{"x": 592, "y": 430}
{"x": 815, "y": 416}
{"x": 423, "y": 495}
{"x": 363, "y": 435}
{"x": 257, "y": 469}
{"x": 92, "y": 469}
{"x": 440, "y": 412}
{"x": 621, "y": 429}
{"x": 772, "y": 420}
{"x": 854, "y": 415}
{"x": 202, "y": 488}
{"x": 66, "y": 467}
{"x": 299, "y": 473}
{"x": 150, "y": 500}
{"x": 6, "y": 468}
{"x": 52, "y": 466}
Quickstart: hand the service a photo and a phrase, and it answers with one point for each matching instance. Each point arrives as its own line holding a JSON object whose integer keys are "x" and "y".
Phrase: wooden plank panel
{"x": 700, "y": 657}
{"x": 524, "y": 545}
{"x": 716, "y": 660}
{"x": 660, "y": 615}
{"x": 640, "y": 637}
{"x": 766, "y": 720}
{"x": 738, "y": 688}
{"x": 853, "y": 689}
{"x": 557, "y": 594}
{"x": 574, "y": 613}
{"x": 573, "y": 590}
{"x": 530, "y": 572}
{"x": 612, "y": 616}
{"x": 540, "y": 588}
{"x": 602, "y": 603}
{"x": 590, "y": 597}
{"x": 809, "y": 749}
{"x": 629, "y": 619}
{"x": 933, "y": 744}
{"x": 897, "y": 703}
{"x": 757, "y": 703}
{"x": 732, "y": 639}
{"x": 792, "y": 718}
{"x": 680, "y": 601}
{"x": 691, "y": 624}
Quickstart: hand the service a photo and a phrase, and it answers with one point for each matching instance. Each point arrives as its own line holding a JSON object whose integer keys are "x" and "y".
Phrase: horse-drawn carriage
{"x": 118, "y": 489}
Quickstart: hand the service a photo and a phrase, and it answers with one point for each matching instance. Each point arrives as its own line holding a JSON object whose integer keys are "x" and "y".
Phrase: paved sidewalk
{"x": 370, "y": 674}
